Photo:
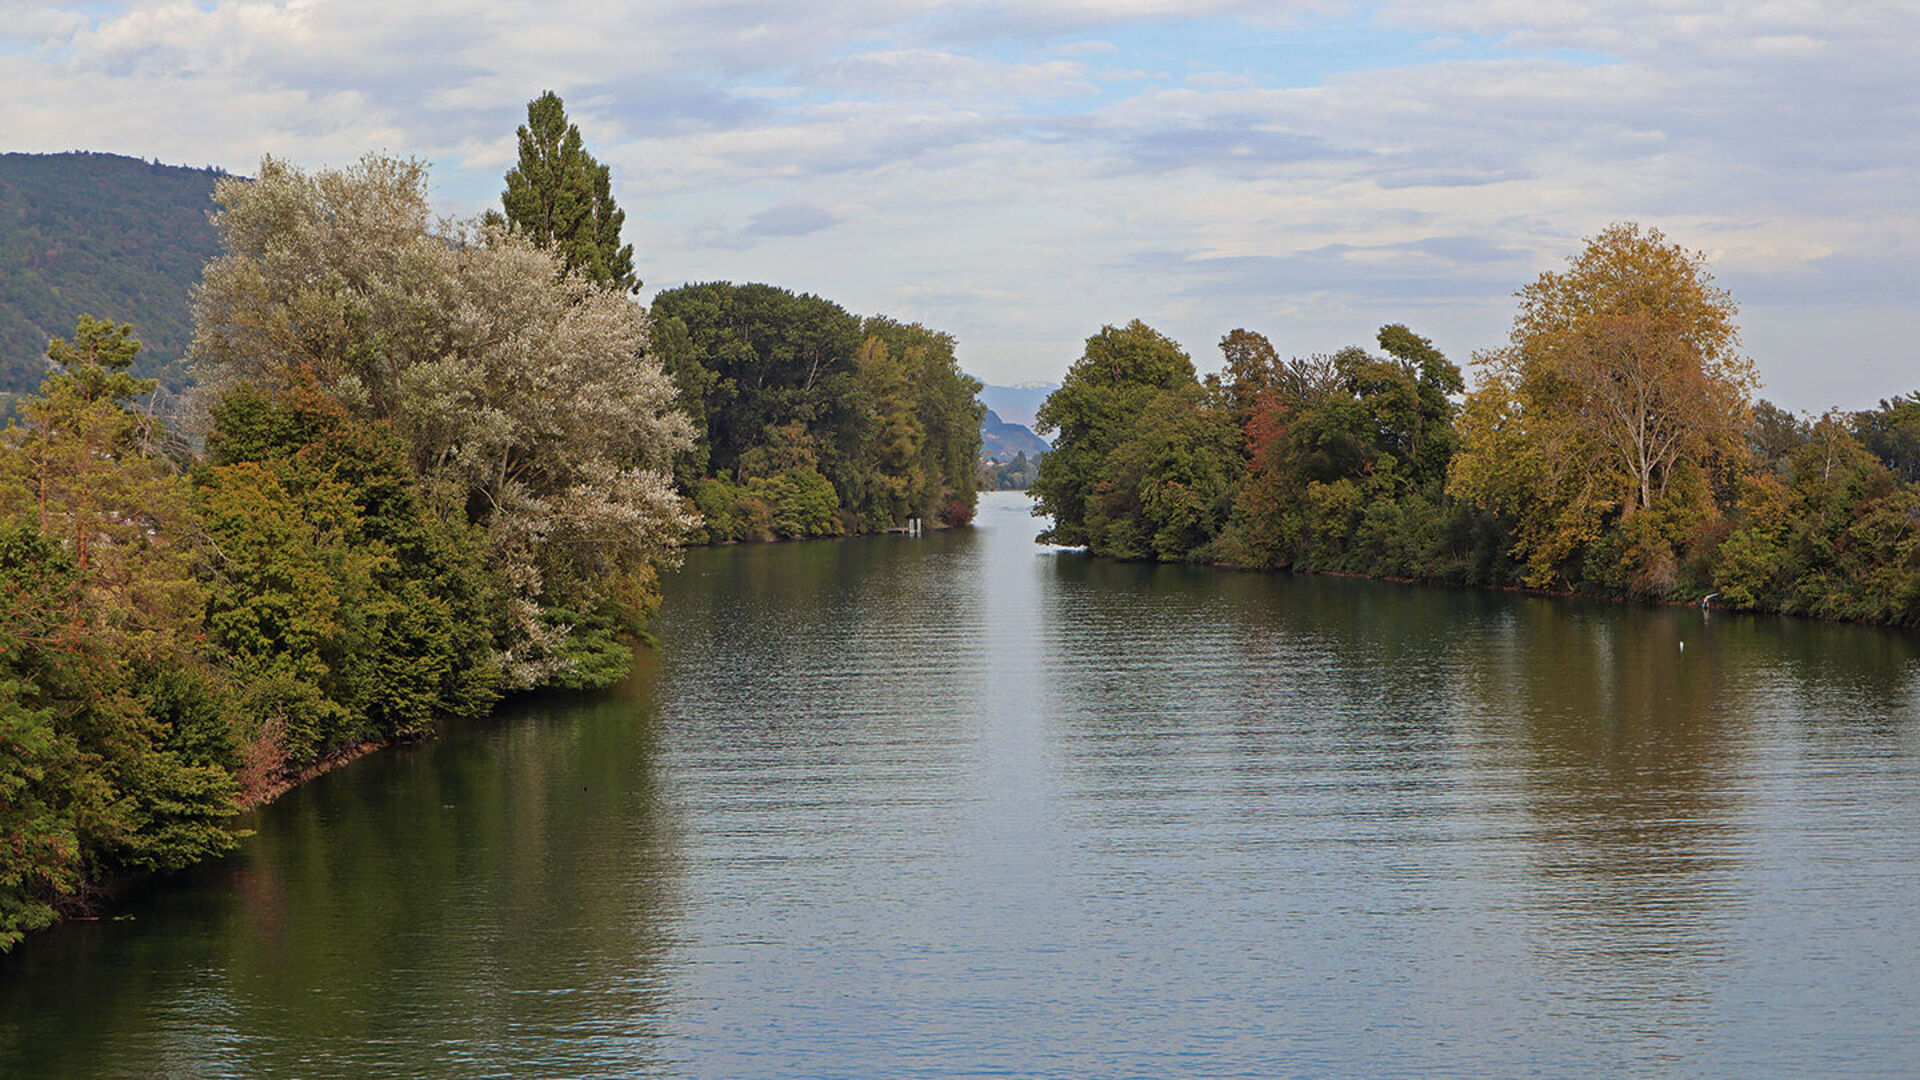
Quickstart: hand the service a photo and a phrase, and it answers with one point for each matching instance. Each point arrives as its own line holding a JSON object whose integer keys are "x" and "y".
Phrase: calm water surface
{"x": 959, "y": 806}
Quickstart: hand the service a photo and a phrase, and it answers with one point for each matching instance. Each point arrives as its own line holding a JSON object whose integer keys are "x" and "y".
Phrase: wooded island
{"x": 1611, "y": 448}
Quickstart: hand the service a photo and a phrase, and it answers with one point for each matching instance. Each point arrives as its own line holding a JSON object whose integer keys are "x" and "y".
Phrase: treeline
{"x": 1611, "y": 447}
{"x": 433, "y": 467}
{"x": 811, "y": 421}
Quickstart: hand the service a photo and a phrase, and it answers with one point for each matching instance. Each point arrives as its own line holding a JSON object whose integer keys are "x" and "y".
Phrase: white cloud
{"x": 930, "y": 73}
{"x": 1021, "y": 173}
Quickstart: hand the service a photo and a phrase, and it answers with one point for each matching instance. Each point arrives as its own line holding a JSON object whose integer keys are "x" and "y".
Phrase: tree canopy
{"x": 524, "y": 397}
{"x": 112, "y": 758}
{"x": 869, "y": 422}
{"x": 1101, "y": 399}
{"x": 561, "y": 198}
{"x": 1620, "y": 387}
{"x": 1608, "y": 448}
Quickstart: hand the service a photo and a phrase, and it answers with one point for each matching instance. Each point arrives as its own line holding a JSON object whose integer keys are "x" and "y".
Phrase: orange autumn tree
{"x": 1598, "y": 428}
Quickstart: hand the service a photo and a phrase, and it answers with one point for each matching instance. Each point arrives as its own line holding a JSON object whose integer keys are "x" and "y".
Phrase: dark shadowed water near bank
{"x": 956, "y": 806}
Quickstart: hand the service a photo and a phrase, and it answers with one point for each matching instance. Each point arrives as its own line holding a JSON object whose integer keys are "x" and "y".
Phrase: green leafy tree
{"x": 1772, "y": 437}
{"x": 1250, "y": 373}
{"x": 1345, "y": 455}
{"x": 105, "y": 786}
{"x": 891, "y": 470}
{"x": 1165, "y": 489}
{"x": 880, "y": 407}
{"x": 338, "y": 592}
{"x": 1096, "y": 407}
{"x": 1426, "y": 438}
{"x": 1834, "y": 538}
{"x": 1891, "y": 433}
{"x": 109, "y": 765}
{"x": 751, "y": 359}
{"x": 45, "y": 791}
{"x": 730, "y": 512}
{"x": 85, "y": 467}
{"x": 947, "y": 411}
{"x": 804, "y": 503}
{"x": 561, "y": 198}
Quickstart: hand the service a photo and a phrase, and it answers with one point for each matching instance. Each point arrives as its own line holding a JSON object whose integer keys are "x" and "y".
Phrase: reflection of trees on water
{"x": 1860, "y": 677}
{"x": 1558, "y": 778}
{"x": 1349, "y": 681}
{"x": 800, "y": 659}
{"x": 502, "y": 902}
{"x": 1621, "y": 755}
{"x": 1633, "y": 739}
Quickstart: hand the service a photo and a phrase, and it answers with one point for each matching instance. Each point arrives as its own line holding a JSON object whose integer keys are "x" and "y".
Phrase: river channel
{"x": 958, "y": 805}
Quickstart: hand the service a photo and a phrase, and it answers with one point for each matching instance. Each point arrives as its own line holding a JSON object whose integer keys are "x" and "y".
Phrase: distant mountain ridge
{"x": 104, "y": 235}
{"x": 1001, "y": 441}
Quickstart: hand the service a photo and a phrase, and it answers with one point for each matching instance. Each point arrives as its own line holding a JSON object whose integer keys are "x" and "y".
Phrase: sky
{"x": 1020, "y": 174}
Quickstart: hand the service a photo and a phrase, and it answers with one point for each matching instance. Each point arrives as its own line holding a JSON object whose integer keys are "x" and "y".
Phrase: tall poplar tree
{"x": 560, "y": 197}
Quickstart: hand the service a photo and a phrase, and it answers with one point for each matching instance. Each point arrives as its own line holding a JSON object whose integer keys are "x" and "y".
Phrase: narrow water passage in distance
{"x": 956, "y": 805}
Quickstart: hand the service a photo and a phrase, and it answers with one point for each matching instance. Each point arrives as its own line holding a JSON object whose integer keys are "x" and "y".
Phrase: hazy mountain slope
{"x": 99, "y": 234}
{"x": 1001, "y": 441}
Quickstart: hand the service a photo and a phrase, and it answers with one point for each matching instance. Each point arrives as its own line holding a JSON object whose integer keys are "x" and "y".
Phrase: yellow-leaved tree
{"x": 1597, "y": 429}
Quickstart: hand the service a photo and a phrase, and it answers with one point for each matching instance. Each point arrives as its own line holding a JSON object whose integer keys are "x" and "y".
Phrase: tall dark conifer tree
{"x": 561, "y": 197}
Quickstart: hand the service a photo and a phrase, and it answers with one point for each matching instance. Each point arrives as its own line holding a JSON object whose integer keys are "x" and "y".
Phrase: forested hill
{"x": 1000, "y": 441}
{"x": 103, "y": 235}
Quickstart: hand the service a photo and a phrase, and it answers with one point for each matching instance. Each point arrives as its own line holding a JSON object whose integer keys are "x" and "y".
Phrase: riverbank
{"x": 282, "y": 783}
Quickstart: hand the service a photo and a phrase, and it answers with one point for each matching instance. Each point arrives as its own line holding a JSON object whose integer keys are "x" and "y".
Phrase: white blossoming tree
{"x": 528, "y": 397}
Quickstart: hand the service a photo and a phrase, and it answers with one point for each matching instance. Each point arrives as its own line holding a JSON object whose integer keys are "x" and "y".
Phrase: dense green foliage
{"x": 93, "y": 233}
{"x": 117, "y": 753}
{"x": 173, "y": 641}
{"x": 559, "y": 197}
{"x": 434, "y": 471}
{"x": 525, "y": 399}
{"x": 1098, "y": 408}
{"x": 1610, "y": 449}
{"x": 348, "y": 610}
{"x": 812, "y": 421}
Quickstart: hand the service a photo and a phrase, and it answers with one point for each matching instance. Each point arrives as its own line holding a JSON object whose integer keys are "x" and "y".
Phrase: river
{"x": 957, "y": 805}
